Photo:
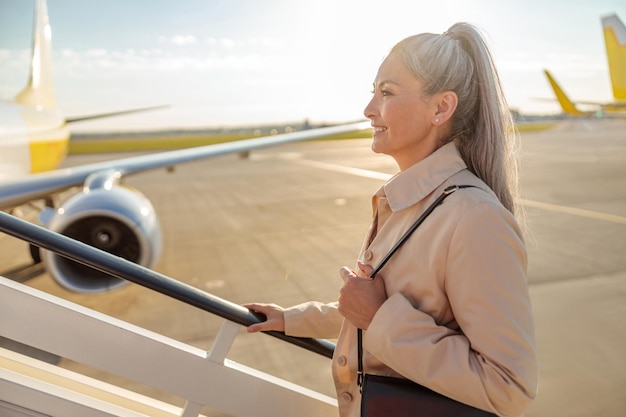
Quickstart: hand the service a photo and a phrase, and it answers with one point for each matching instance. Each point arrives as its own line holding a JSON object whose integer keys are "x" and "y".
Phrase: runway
{"x": 277, "y": 227}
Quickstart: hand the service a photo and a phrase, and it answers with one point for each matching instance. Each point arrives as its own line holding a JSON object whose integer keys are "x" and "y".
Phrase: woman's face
{"x": 403, "y": 119}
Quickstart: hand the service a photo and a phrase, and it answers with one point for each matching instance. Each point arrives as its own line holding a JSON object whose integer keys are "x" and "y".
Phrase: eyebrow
{"x": 385, "y": 82}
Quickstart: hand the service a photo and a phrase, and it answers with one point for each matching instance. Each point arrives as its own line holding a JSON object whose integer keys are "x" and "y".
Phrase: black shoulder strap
{"x": 449, "y": 190}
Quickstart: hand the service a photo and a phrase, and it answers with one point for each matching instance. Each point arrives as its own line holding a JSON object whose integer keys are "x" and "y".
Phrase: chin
{"x": 376, "y": 145}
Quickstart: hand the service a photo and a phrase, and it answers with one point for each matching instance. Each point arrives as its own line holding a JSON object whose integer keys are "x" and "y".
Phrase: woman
{"x": 451, "y": 309}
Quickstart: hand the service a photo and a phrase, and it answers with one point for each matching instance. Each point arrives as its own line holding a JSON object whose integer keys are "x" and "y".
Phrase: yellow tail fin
{"x": 615, "y": 41}
{"x": 566, "y": 104}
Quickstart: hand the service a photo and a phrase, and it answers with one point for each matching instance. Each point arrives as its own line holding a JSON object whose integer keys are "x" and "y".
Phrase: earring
{"x": 437, "y": 120}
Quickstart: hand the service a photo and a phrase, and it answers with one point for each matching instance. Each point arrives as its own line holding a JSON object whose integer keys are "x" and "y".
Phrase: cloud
{"x": 178, "y": 40}
{"x": 12, "y": 56}
{"x": 228, "y": 43}
{"x": 224, "y": 43}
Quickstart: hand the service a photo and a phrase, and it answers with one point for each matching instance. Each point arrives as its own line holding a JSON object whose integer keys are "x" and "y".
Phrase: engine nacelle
{"x": 118, "y": 220}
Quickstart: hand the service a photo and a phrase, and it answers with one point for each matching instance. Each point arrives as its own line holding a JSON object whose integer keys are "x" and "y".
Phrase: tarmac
{"x": 276, "y": 227}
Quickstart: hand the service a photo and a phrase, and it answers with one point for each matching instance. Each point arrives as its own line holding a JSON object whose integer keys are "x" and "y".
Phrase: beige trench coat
{"x": 458, "y": 317}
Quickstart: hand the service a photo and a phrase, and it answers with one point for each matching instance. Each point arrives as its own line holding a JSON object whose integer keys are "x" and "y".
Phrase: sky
{"x": 221, "y": 63}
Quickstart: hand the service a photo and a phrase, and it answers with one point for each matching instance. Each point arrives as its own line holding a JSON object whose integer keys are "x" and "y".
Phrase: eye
{"x": 383, "y": 92}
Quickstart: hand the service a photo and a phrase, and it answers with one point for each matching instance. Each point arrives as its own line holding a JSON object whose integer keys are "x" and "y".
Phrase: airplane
{"x": 105, "y": 213}
{"x": 615, "y": 42}
{"x": 34, "y": 135}
{"x": 569, "y": 107}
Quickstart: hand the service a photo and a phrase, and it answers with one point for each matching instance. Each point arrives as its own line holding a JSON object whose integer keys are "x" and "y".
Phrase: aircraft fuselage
{"x": 32, "y": 139}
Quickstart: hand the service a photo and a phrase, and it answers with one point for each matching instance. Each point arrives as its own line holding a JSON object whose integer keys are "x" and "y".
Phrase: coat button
{"x": 346, "y": 396}
{"x": 367, "y": 255}
{"x": 341, "y": 361}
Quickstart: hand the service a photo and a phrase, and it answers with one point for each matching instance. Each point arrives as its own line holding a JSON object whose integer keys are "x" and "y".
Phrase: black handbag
{"x": 385, "y": 396}
{"x": 396, "y": 397}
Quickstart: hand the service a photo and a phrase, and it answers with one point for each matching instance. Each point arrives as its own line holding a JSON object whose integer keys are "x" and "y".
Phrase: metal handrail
{"x": 124, "y": 269}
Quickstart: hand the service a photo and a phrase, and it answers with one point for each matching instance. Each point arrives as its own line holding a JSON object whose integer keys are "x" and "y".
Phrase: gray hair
{"x": 482, "y": 127}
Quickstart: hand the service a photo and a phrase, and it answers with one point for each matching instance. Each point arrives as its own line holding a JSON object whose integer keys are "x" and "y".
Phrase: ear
{"x": 446, "y": 105}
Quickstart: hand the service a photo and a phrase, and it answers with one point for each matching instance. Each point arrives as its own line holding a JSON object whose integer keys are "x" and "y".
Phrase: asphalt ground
{"x": 277, "y": 227}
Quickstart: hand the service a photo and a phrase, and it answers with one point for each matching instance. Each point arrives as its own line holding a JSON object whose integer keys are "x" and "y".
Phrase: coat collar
{"x": 408, "y": 187}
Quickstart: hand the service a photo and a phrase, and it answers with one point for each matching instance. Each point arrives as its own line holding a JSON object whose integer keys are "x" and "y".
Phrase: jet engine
{"x": 117, "y": 219}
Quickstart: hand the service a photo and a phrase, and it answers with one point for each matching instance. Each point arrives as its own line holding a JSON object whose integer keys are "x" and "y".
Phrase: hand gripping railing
{"x": 121, "y": 268}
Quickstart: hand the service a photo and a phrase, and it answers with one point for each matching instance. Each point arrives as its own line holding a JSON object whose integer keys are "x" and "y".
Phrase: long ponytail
{"x": 482, "y": 127}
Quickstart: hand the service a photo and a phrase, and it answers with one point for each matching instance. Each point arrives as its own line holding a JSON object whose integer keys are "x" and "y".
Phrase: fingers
{"x": 363, "y": 271}
{"x": 346, "y": 273}
{"x": 275, "y": 319}
{"x": 360, "y": 297}
{"x": 257, "y": 308}
{"x": 366, "y": 270}
{"x": 259, "y": 327}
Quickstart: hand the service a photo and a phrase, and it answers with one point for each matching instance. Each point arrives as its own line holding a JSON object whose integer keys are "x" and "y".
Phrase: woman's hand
{"x": 275, "y": 317}
{"x": 360, "y": 297}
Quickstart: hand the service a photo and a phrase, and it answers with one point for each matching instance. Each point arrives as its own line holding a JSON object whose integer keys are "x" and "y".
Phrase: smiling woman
{"x": 450, "y": 311}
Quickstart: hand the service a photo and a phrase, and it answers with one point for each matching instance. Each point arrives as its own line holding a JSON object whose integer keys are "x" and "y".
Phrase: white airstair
{"x": 33, "y": 387}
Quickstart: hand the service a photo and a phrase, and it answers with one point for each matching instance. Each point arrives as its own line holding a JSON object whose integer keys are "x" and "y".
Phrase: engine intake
{"x": 118, "y": 220}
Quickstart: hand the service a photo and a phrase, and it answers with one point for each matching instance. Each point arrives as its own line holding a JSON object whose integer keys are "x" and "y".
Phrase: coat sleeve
{"x": 313, "y": 319}
{"x": 490, "y": 361}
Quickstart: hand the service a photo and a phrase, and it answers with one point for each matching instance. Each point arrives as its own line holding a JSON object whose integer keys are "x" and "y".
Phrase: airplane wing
{"x": 82, "y": 118}
{"x": 17, "y": 192}
{"x": 603, "y": 105}
{"x": 114, "y": 218}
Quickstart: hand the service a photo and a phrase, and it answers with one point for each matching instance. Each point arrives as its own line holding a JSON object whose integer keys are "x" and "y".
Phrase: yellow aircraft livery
{"x": 615, "y": 42}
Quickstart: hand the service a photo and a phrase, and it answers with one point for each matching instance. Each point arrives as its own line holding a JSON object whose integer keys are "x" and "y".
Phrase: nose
{"x": 370, "y": 109}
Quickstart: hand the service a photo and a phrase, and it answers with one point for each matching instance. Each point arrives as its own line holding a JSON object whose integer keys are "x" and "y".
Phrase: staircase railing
{"x": 121, "y": 268}
{"x": 233, "y": 313}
